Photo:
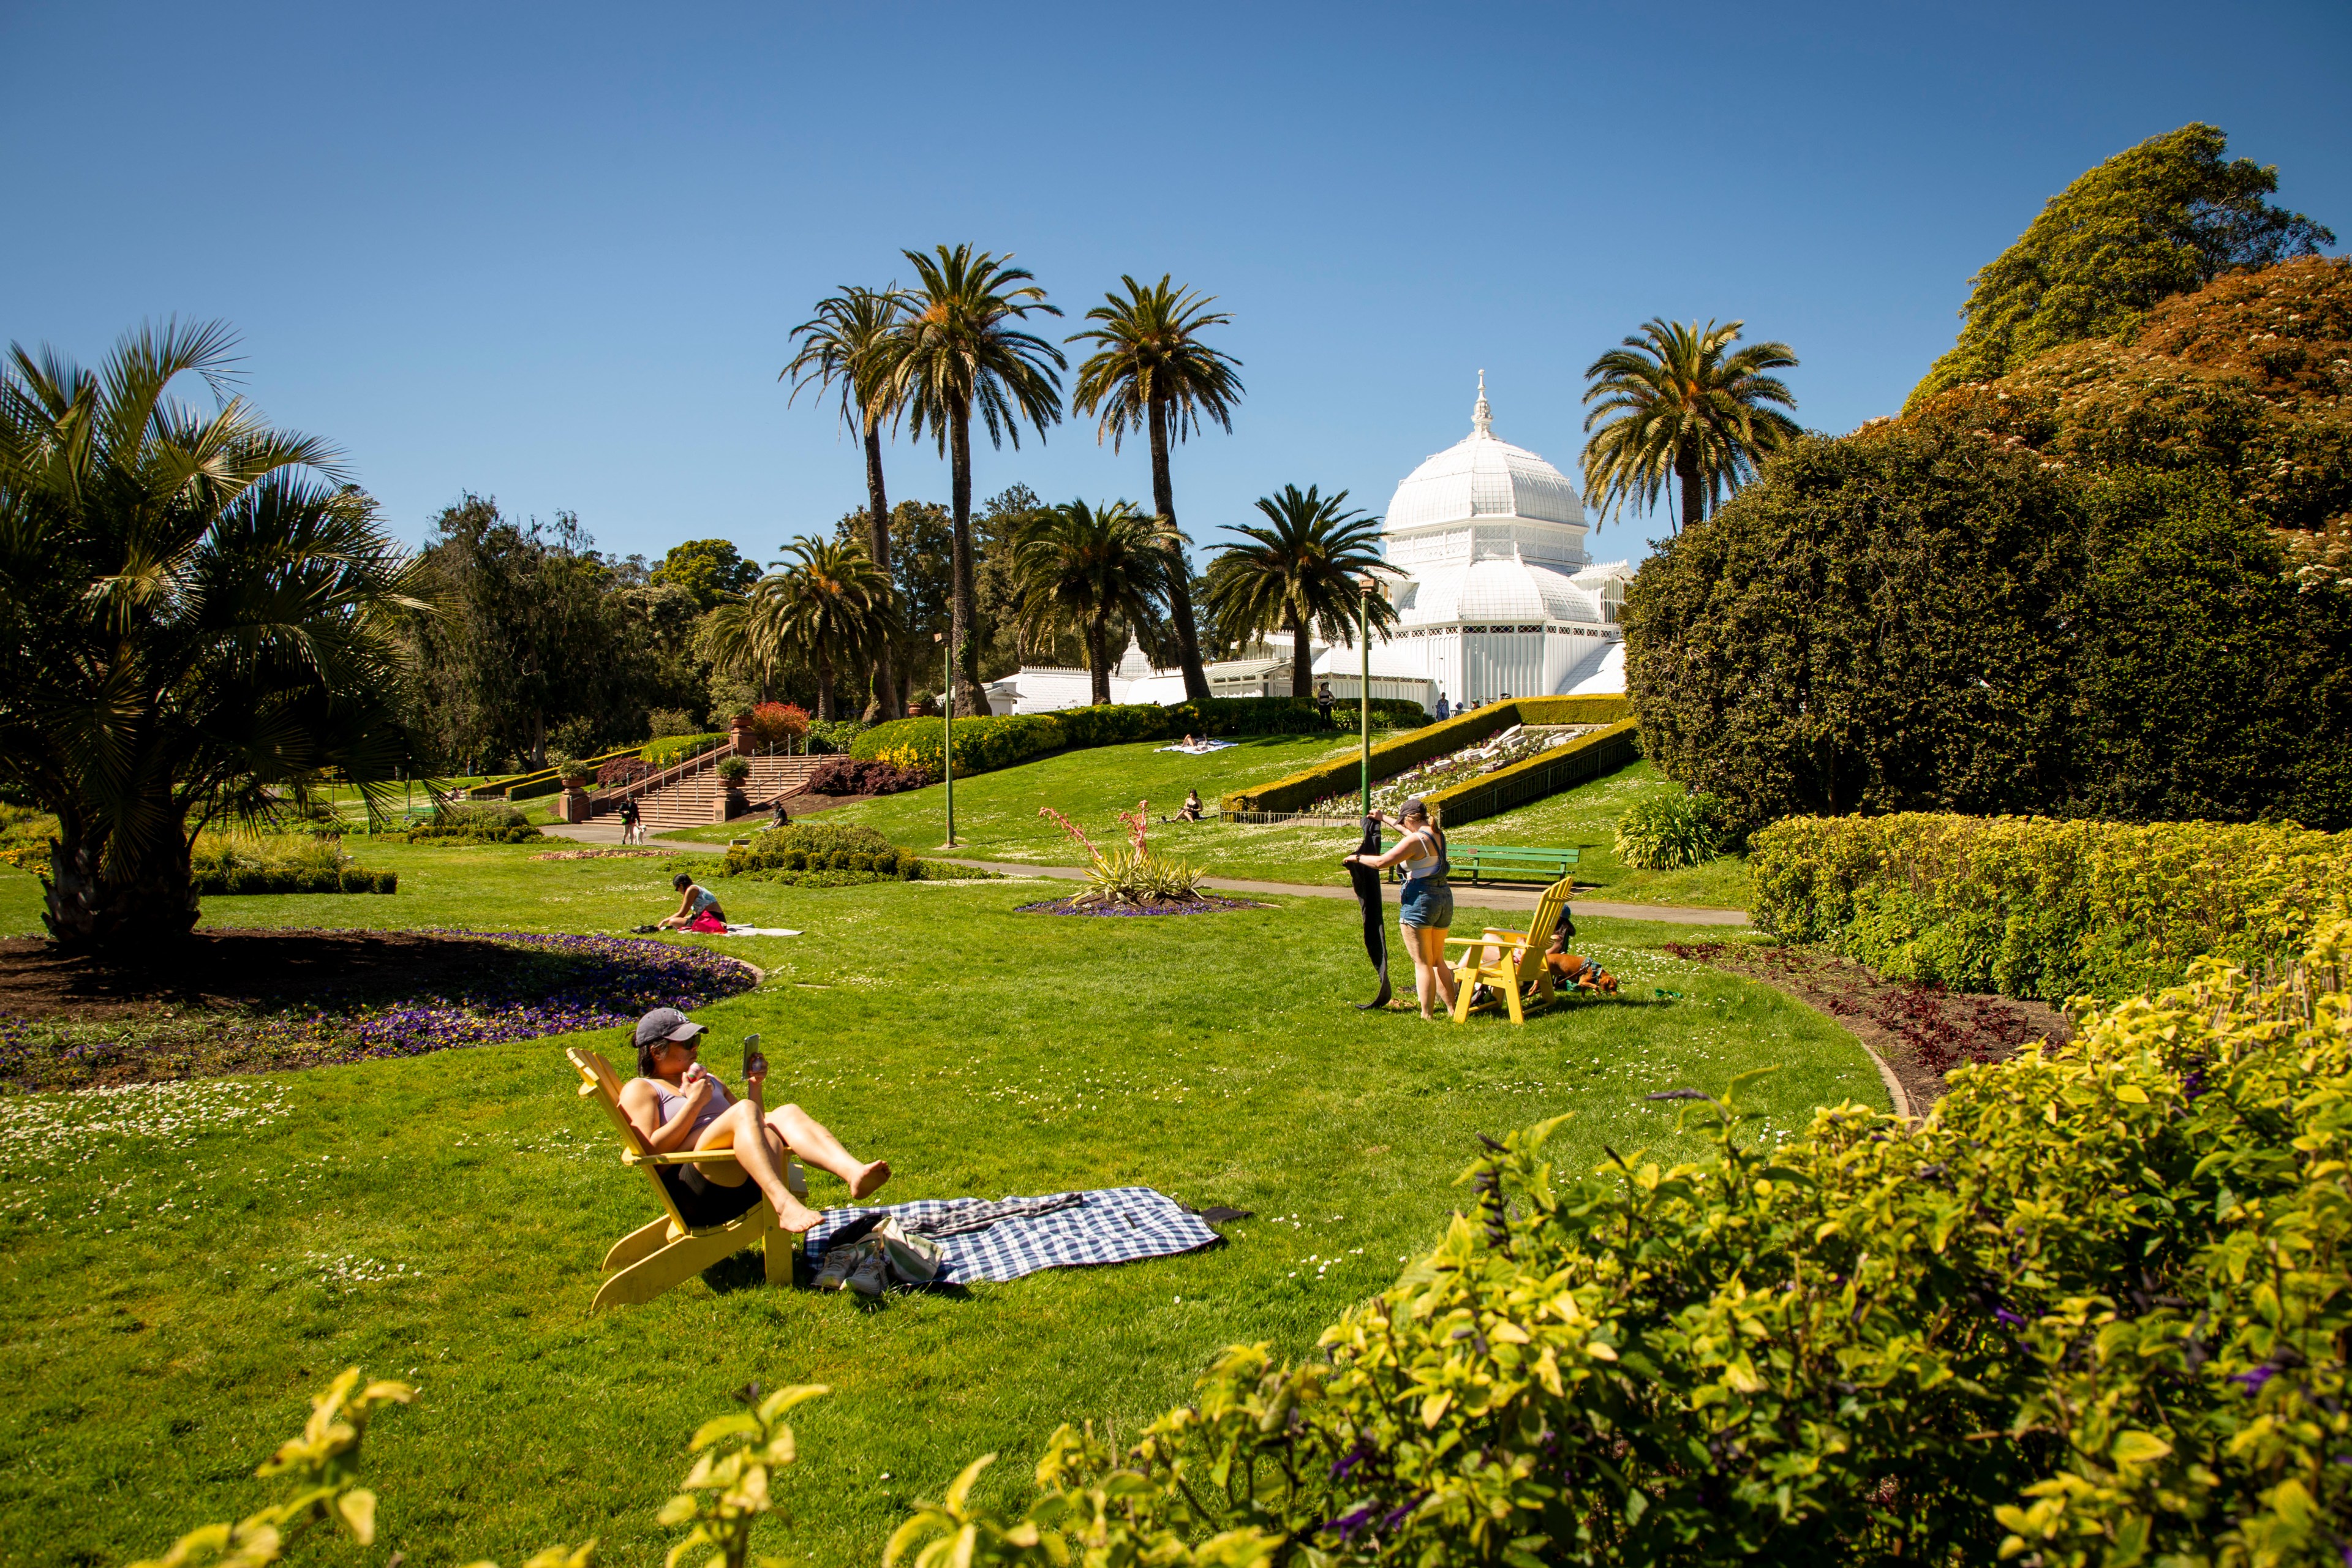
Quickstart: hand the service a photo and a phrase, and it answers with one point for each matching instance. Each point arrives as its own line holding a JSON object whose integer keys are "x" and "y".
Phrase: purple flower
{"x": 1348, "y": 1523}
{"x": 2002, "y": 1314}
{"x": 2252, "y": 1381}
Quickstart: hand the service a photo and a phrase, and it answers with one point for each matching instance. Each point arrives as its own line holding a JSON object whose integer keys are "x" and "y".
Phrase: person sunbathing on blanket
{"x": 697, "y": 909}
{"x": 674, "y": 1103}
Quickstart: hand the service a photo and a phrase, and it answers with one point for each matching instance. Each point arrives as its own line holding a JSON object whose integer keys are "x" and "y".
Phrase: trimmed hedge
{"x": 474, "y": 824}
{"x": 2093, "y": 1310}
{"x": 2035, "y": 907}
{"x": 1545, "y": 774}
{"x": 545, "y": 781}
{"x": 982, "y": 745}
{"x": 246, "y": 880}
{"x": 1296, "y": 792}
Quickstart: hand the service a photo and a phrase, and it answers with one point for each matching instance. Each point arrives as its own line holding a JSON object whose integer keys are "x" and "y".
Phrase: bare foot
{"x": 870, "y": 1177}
{"x": 796, "y": 1216}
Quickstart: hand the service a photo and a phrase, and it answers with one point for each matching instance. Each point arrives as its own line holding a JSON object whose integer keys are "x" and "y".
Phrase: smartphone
{"x": 754, "y": 1064}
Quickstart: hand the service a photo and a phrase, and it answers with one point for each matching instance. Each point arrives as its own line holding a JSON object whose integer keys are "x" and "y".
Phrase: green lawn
{"x": 997, "y": 818}
{"x": 180, "y": 1265}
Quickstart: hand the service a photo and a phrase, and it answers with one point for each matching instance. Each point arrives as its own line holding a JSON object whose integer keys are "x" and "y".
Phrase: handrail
{"x": 602, "y": 800}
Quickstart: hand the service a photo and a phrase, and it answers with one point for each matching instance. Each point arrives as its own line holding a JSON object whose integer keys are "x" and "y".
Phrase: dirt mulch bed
{"x": 648, "y": 853}
{"x": 220, "y": 970}
{"x": 1921, "y": 1032}
{"x": 1208, "y": 903}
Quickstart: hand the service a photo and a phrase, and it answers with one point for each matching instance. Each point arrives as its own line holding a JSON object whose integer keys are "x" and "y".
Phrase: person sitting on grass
{"x": 1191, "y": 811}
{"x": 674, "y": 1103}
{"x": 697, "y": 909}
{"x": 1569, "y": 972}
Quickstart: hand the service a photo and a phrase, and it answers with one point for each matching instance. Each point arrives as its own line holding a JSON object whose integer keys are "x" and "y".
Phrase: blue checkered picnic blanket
{"x": 1115, "y": 1225}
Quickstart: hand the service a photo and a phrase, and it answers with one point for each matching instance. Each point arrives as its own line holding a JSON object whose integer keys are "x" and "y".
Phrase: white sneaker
{"x": 872, "y": 1274}
{"x": 833, "y": 1269}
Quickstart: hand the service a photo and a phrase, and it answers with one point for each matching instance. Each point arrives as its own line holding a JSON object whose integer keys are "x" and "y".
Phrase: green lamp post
{"x": 1364, "y": 637}
{"x": 947, "y": 712}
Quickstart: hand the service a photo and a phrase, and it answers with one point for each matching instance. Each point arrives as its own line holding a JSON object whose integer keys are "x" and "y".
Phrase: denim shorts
{"x": 1427, "y": 902}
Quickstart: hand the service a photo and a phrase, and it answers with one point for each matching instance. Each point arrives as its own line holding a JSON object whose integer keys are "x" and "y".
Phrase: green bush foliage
{"x": 474, "y": 822}
{"x": 2093, "y": 1310}
{"x": 668, "y": 751}
{"x": 285, "y": 864}
{"x": 1667, "y": 832}
{"x": 833, "y": 736}
{"x": 812, "y": 847}
{"x": 1296, "y": 792}
{"x": 2036, "y": 907}
{"x": 1922, "y": 617}
{"x": 983, "y": 744}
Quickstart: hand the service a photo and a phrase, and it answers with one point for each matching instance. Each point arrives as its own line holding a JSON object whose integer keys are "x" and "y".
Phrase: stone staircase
{"x": 690, "y": 795}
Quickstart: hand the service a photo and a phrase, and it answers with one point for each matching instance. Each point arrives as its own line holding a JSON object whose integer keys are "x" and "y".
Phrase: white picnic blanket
{"x": 759, "y": 931}
{"x": 1202, "y": 749}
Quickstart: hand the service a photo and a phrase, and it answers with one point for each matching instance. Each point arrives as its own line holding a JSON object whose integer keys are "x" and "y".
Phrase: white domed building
{"x": 1495, "y": 594}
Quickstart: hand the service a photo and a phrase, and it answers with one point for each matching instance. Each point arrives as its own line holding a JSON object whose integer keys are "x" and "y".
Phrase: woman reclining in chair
{"x": 675, "y": 1104}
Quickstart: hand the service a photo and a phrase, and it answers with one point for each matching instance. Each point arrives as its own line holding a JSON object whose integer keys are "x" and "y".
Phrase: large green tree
{"x": 708, "y": 569}
{"x": 2161, "y": 218}
{"x": 1678, "y": 404}
{"x": 959, "y": 352}
{"x": 826, "y": 608}
{"x": 1923, "y": 616}
{"x": 1081, "y": 568}
{"x": 1299, "y": 571}
{"x": 535, "y": 641}
{"x": 197, "y": 619}
{"x": 1151, "y": 371}
{"x": 846, "y": 345}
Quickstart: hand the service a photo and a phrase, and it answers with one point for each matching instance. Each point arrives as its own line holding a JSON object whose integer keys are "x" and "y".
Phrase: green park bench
{"x": 1512, "y": 863}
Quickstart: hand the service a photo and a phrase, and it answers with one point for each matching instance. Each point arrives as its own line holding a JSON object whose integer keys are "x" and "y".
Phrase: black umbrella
{"x": 1368, "y": 895}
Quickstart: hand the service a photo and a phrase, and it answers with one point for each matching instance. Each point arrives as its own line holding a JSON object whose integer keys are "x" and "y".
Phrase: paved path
{"x": 1481, "y": 898}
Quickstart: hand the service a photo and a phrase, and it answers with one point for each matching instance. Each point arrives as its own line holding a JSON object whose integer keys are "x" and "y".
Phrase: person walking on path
{"x": 1426, "y": 911}
{"x": 1323, "y": 700}
{"x": 632, "y": 827}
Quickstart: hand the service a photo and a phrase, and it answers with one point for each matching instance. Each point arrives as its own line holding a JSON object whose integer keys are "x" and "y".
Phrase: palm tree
{"x": 1299, "y": 572}
{"x": 825, "y": 607}
{"x": 1076, "y": 568}
{"x": 198, "y": 620}
{"x": 956, "y": 352}
{"x": 1673, "y": 404}
{"x": 1151, "y": 371}
{"x": 842, "y": 345}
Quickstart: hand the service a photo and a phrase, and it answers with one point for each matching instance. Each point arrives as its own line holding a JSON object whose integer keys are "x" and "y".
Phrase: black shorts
{"x": 703, "y": 1202}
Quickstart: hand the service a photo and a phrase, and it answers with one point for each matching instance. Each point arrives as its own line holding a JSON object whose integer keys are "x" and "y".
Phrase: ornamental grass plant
{"x": 280, "y": 863}
{"x": 1669, "y": 831}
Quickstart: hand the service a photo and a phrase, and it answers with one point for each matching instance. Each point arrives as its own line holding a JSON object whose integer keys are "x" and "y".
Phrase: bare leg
{"x": 1430, "y": 970}
{"x": 759, "y": 1153}
{"x": 813, "y": 1142}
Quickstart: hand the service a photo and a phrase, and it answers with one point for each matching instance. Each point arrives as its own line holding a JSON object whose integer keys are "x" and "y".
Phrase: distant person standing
{"x": 632, "y": 827}
{"x": 1323, "y": 700}
{"x": 1443, "y": 711}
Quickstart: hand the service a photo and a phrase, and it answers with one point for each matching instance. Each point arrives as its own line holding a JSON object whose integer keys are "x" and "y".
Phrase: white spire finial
{"x": 1482, "y": 418}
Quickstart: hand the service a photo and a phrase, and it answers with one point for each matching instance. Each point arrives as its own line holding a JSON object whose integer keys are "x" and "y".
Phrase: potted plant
{"x": 573, "y": 805}
{"x": 733, "y": 773}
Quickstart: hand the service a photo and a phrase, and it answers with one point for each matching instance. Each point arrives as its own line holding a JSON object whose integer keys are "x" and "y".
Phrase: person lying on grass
{"x": 675, "y": 1103}
{"x": 697, "y": 908}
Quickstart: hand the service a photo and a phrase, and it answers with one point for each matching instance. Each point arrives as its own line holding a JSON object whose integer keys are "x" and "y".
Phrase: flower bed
{"x": 1198, "y": 904}
{"x": 1512, "y": 746}
{"x": 448, "y": 989}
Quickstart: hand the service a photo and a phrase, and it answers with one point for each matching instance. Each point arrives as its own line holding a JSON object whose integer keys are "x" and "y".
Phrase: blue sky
{"x": 553, "y": 254}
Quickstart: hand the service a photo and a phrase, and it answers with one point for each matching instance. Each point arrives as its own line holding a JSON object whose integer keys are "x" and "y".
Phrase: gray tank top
{"x": 673, "y": 1100}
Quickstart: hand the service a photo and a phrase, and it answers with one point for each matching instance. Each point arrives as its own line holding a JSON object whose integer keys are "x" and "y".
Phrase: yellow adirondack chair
{"x": 1518, "y": 960}
{"x": 667, "y": 1251}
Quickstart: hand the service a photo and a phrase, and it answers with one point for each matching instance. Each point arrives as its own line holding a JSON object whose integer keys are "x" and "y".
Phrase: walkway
{"x": 1480, "y": 896}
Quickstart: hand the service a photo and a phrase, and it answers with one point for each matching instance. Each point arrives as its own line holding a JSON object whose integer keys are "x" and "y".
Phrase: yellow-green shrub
{"x": 2033, "y": 907}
